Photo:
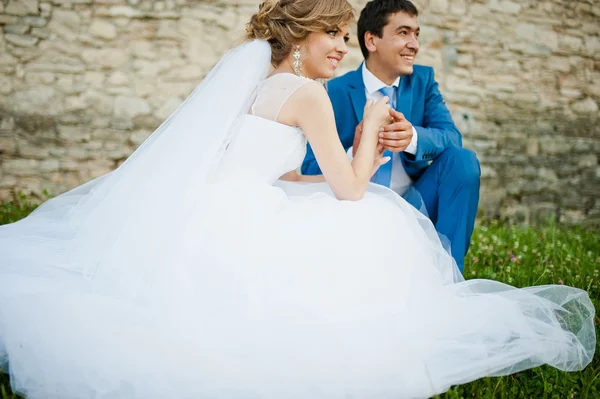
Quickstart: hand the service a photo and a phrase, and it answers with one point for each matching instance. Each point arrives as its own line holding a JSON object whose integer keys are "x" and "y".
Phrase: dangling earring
{"x": 297, "y": 64}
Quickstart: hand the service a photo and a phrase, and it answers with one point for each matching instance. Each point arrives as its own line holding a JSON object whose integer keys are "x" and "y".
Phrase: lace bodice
{"x": 264, "y": 149}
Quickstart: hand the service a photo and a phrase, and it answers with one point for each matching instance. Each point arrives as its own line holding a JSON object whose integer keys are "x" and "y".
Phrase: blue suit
{"x": 445, "y": 176}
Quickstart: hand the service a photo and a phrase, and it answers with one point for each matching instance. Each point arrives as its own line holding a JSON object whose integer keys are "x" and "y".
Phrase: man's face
{"x": 397, "y": 49}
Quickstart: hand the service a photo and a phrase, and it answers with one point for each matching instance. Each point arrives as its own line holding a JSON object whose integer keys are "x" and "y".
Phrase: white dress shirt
{"x": 400, "y": 181}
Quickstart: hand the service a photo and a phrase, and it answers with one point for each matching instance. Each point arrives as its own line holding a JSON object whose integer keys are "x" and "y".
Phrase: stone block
{"x": 587, "y": 161}
{"x": 62, "y": 67}
{"x": 31, "y": 152}
{"x": 39, "y": 78}
{"x": 37, "y": 22}
{"x": 138, "y": 137}
{"x": 168, "y": 30}
{"x": 8, "y": 146}
{"x": 533, "y": 147}
{"x": 186, "y": 73}
{"x": 118, "y": 79}
{"x": 69, "y": 2}
{"x": 458, "y": 7}
{"x": 570, "y": 93}
{"x": 40, "y": 100}
{"x": 100, "y": 102}
{"x": 570, "y": 44}
{"x": 6, "y": 85}
{"x": 8, "y": 19}
{"x": 587, "y": 106}
{"x": 572, "y": 217}
{"x": 143, "y": 49}
{"x": 20, "y": 167}
{"x": 21, "y": 40}
{"x": 40, "y": 33}
{"x": 560, "y": 64}
{"x": 65, "y": 23}
{"x": 77, "y": 153}
{"x": 7, "y": 181}
{"x": 168, "y": 108}
{"x": 105, "y": 58}
{"x": 103, "y": 30}
{"x": 17, "y": 29}
{"x": 530, "y": 49}
{"x": 22, "y": 7}
{"x": 119, "y": 11}
{"x": 555, "y": 145}
{"x": 45, "y": 10}
{"x": 94, "y": 79}
{"x": 130, "y": 107}
{"x": 114, "y": 2}
{"x": 75, "y": 103}
{"x": 592, "y": 46}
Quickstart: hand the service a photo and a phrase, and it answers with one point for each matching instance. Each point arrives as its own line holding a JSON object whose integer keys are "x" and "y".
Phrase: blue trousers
{"x": 449, "y": 191}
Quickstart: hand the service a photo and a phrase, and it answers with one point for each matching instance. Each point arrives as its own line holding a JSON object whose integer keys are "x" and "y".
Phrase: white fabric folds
{"x": 191, "y": 272}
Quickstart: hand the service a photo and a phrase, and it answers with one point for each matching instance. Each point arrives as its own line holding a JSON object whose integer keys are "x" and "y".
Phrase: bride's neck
{"x": 282, "y": 68}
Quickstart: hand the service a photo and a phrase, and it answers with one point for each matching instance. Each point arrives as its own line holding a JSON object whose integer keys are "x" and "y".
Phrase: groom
{"x": 429, "y": 167}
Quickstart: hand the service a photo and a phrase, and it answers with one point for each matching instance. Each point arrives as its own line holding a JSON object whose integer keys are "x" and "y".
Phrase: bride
{"x": 191, "y": 272}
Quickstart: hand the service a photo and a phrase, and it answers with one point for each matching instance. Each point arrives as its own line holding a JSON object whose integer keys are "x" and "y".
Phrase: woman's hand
{"x": 377, "y": 114}
{"x": 379, "y": 159}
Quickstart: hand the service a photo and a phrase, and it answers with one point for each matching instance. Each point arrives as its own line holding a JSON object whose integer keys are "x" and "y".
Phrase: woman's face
{"x": 324, "y": 51}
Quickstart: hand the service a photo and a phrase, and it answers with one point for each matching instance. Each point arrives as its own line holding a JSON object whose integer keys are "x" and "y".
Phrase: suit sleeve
{"x": 310, "y": 165}
{"x": 438, "y": 131}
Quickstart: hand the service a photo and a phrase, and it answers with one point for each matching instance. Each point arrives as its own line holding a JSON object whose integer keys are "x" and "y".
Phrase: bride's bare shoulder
{"x": 308, "y": 99}
{"x": 309, "y": 94}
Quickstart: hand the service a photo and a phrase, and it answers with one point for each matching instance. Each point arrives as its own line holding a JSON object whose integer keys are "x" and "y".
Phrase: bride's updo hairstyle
{"x": 285, "y": 22}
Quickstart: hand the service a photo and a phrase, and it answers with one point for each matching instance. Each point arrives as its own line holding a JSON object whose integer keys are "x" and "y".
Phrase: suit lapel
{"x": 404, "y": 97}
{"x": 357, "y": 93}
{"x": 356, "y": 90}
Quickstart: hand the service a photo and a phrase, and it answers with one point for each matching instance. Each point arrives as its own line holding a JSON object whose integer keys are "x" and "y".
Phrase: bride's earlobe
{"x": 297, "y": 63}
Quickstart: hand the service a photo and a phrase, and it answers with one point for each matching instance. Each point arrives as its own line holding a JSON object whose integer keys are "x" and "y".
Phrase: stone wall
{"x": 83, "y": 82}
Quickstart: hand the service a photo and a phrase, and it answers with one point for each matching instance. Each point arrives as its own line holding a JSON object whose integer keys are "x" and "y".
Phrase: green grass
{"x": 535, "y": 256}
{"x": 515, "y": 255}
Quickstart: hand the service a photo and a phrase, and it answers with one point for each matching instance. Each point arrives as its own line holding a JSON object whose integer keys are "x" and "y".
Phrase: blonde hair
{"x": 285, "y": 22}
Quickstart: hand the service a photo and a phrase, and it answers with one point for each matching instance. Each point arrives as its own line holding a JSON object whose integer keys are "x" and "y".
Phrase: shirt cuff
{"x": 412, "y": 147}
{"x": 349, "y": 153}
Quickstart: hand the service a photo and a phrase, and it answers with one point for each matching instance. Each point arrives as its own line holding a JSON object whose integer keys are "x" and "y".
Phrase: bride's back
{"x": 273, "y": 94}
{"x": 263, "y": 148}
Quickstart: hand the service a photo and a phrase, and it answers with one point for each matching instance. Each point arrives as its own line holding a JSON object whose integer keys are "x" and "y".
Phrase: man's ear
{"x": 370, "y": 42}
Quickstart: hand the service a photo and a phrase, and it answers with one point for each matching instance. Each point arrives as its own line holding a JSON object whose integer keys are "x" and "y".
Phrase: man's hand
{"x": 357, "y": 136}
{"x": 397, "y": 135}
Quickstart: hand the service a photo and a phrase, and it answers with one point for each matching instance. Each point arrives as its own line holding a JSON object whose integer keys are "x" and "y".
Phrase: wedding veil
{"x": 120, "y": 217}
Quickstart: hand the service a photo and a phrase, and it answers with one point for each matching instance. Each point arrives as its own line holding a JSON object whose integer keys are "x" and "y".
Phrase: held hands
{"x": 397, "y": 135}
{"x": 375, "y": 115}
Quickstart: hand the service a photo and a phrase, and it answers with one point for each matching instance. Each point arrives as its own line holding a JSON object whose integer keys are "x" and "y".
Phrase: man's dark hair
{"x": 375, "y": 16}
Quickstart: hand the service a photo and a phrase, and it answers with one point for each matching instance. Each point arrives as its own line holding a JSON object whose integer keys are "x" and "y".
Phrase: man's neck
{"x": 380, "y": 73}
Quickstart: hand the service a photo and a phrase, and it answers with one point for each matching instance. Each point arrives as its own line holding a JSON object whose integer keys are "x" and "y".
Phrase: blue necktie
{"x": 383, "y": 176}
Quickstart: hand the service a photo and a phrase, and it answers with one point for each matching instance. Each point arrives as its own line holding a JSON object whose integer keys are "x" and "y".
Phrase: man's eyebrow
{"x": 407, "y": 27}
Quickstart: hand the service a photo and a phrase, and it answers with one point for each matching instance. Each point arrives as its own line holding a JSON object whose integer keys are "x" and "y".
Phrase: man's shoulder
{"x": 341, "y": 82}
{"x": 422, "y": 72}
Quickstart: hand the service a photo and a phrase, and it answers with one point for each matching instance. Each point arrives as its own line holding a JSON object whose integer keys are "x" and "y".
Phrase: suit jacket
{"x": 418, "y": 98}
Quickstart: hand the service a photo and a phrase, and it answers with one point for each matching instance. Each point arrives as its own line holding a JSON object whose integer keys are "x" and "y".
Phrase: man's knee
{"x": 465, "y": 165}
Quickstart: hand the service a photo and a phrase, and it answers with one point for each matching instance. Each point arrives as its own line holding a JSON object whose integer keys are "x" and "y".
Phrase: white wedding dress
{"x": 245, "y": 287}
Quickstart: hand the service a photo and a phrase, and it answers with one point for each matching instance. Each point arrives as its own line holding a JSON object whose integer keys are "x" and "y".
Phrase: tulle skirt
{"x": 266, "y": 292}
